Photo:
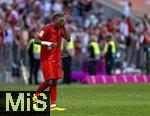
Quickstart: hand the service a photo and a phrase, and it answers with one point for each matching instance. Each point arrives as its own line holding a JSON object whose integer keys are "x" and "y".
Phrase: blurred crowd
{"x": 121, "y": 42}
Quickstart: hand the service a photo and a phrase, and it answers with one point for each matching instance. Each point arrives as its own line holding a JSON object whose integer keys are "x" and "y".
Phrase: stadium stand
{"x": 89, "y": 20}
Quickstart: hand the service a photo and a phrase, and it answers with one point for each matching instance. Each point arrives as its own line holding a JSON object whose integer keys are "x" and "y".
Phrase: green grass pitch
{"x": 98, "y": 100}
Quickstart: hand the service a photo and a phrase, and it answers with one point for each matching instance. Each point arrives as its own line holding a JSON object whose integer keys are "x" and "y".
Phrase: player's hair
{"x": 57, "y": 15}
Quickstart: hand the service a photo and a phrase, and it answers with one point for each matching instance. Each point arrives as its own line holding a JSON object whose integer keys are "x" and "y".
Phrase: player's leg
{"x": 53, "y": 88}
{"x": 40, "y": 89}
{"x": 43, "y": 86}
{"x": 48, "y": 73}
{"x": 53, "y": 92}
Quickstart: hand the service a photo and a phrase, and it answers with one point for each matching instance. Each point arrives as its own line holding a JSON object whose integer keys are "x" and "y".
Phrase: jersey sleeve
{"x": 43, "y": 32}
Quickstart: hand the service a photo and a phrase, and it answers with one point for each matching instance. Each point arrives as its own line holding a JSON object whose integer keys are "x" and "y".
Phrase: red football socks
{"x": 53, "y": 93}
{"x": 41, "y": 88}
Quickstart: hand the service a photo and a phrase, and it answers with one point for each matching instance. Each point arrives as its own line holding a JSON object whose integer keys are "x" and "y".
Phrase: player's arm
{"x": 66, "y": 35}
{"x": 44, "y": 43}
{"x": 40, "y": 39}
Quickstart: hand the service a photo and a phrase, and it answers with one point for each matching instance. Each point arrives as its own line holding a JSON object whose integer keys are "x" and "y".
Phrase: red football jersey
{"x": 50, "y": 34}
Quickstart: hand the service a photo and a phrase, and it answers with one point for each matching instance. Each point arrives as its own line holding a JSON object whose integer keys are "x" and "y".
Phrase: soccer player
{"x": 50, "y": 57}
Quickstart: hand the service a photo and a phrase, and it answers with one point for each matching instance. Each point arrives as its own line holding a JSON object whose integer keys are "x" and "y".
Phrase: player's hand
{"x": 49, "y": 48}
{"x": 62, "y": 22}
{"x": 52, "y": 45}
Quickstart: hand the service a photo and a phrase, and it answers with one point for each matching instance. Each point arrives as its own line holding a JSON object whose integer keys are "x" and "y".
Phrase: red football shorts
{"x": 51, "y": 70}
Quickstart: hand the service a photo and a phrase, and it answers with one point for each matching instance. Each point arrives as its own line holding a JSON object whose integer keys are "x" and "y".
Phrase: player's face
{"x": 60, "y": 22}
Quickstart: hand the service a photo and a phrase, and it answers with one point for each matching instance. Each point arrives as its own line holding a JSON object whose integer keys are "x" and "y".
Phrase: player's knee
{"x": 54, "y": 82}
{"x": 49, "y": 82}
